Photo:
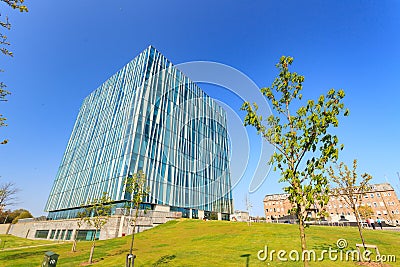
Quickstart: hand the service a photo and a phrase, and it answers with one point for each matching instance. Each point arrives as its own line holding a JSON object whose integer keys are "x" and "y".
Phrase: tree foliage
{"x": 4, "y": 44}
{"x": 8, "y": 195}
{"x": 96, "y": 215}
{"x": 365, "y": 212}
{"x": 348, "y": 189}
{"x": 22, "y": 215}
{"x": 302, "y": 139}
{"x": 14, "y": 4}
{"x": 8, "y": 216}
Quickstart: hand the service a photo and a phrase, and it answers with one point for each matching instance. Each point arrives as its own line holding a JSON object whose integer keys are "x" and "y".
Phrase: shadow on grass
{"x": 325, "y": 246}
{"x": 331, "y": 247}
{"x": 160, "y": 245}
{"x": 247, "y": 256}
{"x": 164, "y": 260}
{"x": 13, "y": 256}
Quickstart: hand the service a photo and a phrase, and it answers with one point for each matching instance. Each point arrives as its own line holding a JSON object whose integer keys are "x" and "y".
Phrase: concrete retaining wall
{"x": 117, "y": 225}
{"x": 4, "y": 228}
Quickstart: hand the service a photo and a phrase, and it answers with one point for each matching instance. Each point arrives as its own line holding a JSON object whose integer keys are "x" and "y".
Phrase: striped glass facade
{"x": 151, "y": 117}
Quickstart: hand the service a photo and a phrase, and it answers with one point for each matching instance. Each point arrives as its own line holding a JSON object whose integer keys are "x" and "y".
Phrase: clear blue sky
{"x": 64, "y": 50}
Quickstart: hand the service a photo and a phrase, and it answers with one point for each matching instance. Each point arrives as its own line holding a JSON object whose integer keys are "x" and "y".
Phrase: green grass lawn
{"x": 199, "y": 243}
{"x": 9, "y": 241}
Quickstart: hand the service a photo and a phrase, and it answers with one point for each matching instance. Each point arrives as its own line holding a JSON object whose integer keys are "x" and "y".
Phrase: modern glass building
{"x": 148, "y": 116}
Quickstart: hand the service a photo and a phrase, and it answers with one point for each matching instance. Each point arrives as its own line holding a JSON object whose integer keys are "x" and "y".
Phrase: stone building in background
{"x": 381, "y": 198}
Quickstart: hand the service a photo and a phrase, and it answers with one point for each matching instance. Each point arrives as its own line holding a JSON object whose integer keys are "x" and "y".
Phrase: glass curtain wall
{"x": 148, "y": 116}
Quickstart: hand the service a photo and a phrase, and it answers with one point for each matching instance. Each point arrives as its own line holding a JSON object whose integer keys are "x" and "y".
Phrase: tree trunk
{"x": 133, "y": 238}
{"x": 74, "y": 246}
{"x": 359, "y": 228}
{"x": 302, "y": 238}
{"x": 131, "y": 262}
{"x": 92, "y": 248}
{"x": 91, "y": 254}
{"x": 133, "y": 235}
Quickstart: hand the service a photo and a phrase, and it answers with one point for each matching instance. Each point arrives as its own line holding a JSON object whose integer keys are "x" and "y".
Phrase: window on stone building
{"x": 57, "y": 234}
{"x": 62, "y": 236}
{"x": 53, "y": 232}
{"x": 69, "y": 235}
{"x": 87, "y": 235}
{"x": 41, "y": 233}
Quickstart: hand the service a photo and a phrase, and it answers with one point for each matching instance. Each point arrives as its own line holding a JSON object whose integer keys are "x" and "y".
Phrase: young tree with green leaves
{"x": 348, "y": 190}
{"x": 137, "y": 190}
{"x": 5, "y": 24}
{"x": 303, "y": 144}
{"x": 365, "y": 212}
{"x": 96, "y": 215}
